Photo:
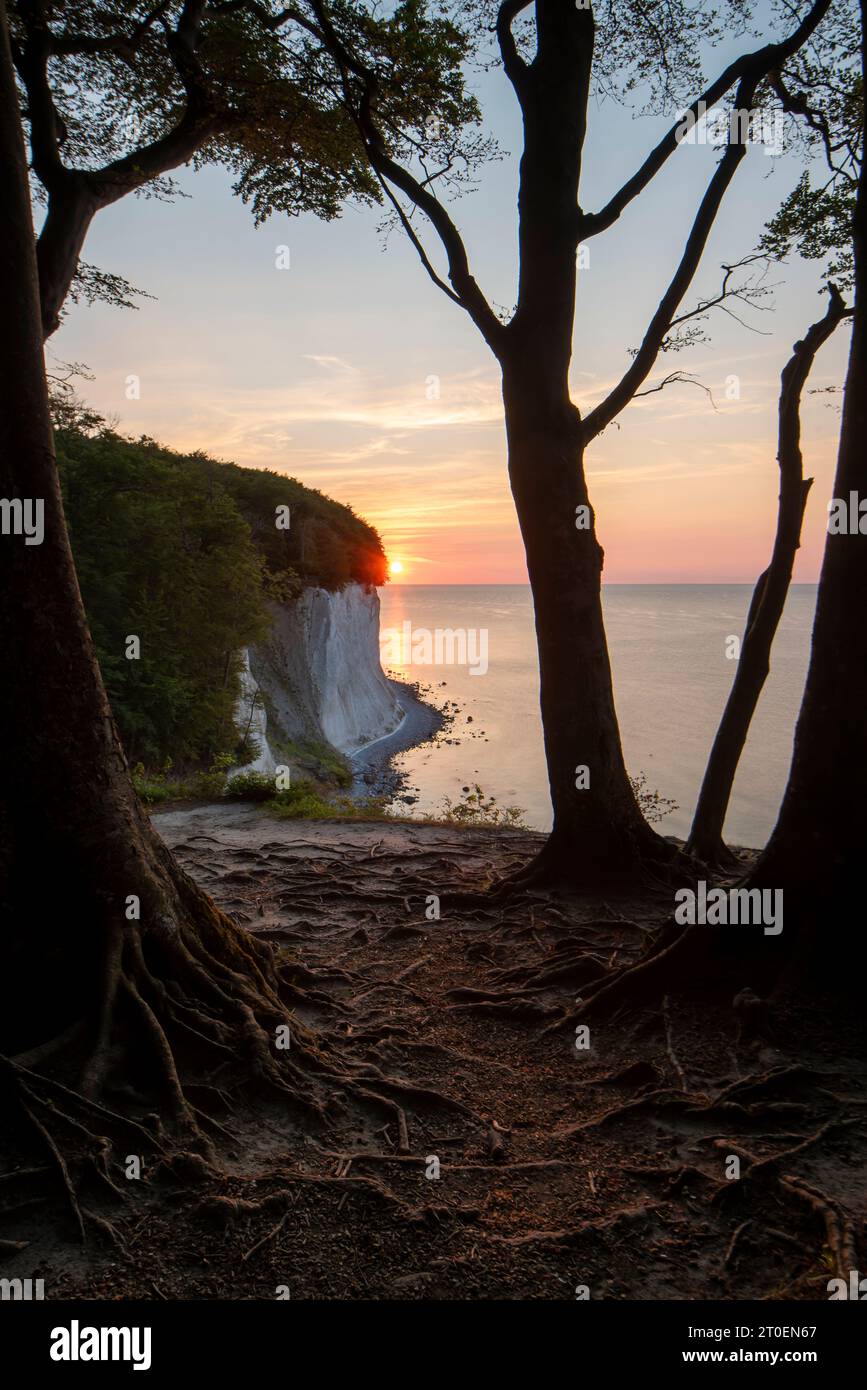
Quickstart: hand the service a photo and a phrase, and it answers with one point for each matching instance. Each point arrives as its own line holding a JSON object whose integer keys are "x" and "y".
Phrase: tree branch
{"x": 750, "y": 68}
{"x": 660, "y": 324}
{"x": 360, "y": 107}
{"x": 769, "y": 595}
{"x": 124, "y": 45}
{"x": 173, "y": 149}
{"x": 466, "y": 290}
{"x": 513, "y": 64}
{"x": 411, "y": 233}
{"x": 677, "y": 379}
{"x": 31, "y": 64}
{"x": 796, "y": 104}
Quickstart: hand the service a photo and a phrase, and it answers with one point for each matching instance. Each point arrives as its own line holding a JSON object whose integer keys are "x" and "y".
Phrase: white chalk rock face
{"x": 319, "y": 676}
{"x": 355, "y": 704}
{"x": 252, "y": 721}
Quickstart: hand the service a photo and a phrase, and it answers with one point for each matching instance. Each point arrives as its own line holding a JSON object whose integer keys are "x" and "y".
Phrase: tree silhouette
{"x": 598, "y": 830}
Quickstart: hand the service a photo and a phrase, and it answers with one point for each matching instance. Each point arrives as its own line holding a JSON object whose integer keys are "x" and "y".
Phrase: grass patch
{"x": 207, "y": 784}
{"x": 305, "y": 801}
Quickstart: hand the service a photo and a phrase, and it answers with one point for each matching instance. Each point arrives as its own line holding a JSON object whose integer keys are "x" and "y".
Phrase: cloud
{"x": 253, "y": 420}
{"x": 335, "y": 362}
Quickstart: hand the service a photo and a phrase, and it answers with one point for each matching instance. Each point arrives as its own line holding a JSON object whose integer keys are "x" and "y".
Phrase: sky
{"x": 352, "y": 372}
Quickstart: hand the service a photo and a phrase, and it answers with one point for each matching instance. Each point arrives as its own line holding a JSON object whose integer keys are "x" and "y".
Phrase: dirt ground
{"x": 495, "y": 1155}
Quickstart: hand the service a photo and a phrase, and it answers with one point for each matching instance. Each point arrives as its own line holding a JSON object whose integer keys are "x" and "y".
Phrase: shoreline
{"x": 374, "y": 773}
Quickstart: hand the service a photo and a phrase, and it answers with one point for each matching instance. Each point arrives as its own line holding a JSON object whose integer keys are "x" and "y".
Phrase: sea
{"x": 673, "y": 659}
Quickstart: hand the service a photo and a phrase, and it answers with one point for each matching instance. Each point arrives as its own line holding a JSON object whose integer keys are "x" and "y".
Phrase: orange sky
{"x": 353, "y": 373}
{"x": 684, "y": 492}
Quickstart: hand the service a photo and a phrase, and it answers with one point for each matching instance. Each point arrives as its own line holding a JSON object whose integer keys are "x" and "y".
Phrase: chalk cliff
{"x": 317, "y": 677}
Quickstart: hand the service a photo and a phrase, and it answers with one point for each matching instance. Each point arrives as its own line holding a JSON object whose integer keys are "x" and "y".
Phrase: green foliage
{"x": 325, "y": 543}
{"x": 822, "y": 94}
{"x": 130, "y": 84}
{"x": 475, "y": 808}
{"x": 140, "y": 90}
{"x": 155, "y": 787}
{"x": 250, "y": 786}
{"x": 817, "y": 223}
{"x": 327, "y": 762}
{"x": 163, "y": 554}
{"x": 303, "y": 801}
{"x": 183, "y": 553}
{"x": 90, "y": 285}
{"x": 213, "y": 782}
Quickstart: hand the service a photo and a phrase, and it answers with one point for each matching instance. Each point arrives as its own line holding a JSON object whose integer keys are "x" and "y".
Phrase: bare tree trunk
{"x": 768, "y": 600}
{"x": 818, "y": 848}
{"x": 119, "y": 974}
{"x": 598, "y": 830}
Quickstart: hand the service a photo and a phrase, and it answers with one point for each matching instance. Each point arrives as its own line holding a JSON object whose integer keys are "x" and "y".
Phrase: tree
{"x": 163, "y": 555}
{"x": 768, "y": 600}
{"x": 817, "y": 849}
{"x": 115, "y": 101}
{"x": 598, "y": 828}
{"x": 122, "y": 983}
{"x": 816, "y": 852}
{"x": 823, "y": 92}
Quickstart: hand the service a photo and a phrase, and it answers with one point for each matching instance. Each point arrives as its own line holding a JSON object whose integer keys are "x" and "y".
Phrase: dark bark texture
{"x": 817, "y": 850}
{"x": 768, "y": 600}
{"x": 119, "y": 975}
{"x": 598, "y": 831}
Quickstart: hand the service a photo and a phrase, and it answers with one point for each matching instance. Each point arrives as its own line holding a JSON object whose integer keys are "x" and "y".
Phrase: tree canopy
{"x": 113, "y": 102}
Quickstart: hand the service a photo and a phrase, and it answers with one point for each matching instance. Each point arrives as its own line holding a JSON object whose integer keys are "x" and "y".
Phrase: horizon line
{"x": 611, "y": 584}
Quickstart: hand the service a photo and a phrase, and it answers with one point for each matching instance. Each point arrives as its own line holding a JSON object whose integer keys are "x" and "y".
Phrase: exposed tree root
{"x": 575, "y": 1234}
{"x": 671, "y": 964}
{"x": 566, "y": 864}
{"x": 669, "y": 1046}
{"x": 730, "y": 1248}
{"x": 384, "y": 1066}
{"x": 182, "y": 995}
{"x": 760, "y": 1169}
{"x": 839, "y": 1230}
{"x": 713, "y": 855}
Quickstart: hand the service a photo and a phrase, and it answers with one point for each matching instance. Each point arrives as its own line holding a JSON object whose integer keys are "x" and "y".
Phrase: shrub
{"x": 474, "y": 808}
{"x": 302, "y": 801}
{"x": 653, "y": 806}
{"x": 250, "y": 786}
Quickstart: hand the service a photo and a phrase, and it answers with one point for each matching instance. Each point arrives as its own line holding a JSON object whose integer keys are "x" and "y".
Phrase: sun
{"x": 396, "y": 567}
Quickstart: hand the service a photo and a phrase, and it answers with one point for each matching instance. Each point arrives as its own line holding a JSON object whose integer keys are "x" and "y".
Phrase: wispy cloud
{"x": 247, "y": 419}
{"x": 335, "y": 362}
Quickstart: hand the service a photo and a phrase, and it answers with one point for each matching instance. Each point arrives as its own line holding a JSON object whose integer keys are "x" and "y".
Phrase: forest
{"x": 394, "y": 1059}
{"x": 183, "y": 552}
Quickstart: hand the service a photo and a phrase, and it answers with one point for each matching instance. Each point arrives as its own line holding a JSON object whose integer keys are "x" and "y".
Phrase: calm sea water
{"x": 671, "y": 677}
